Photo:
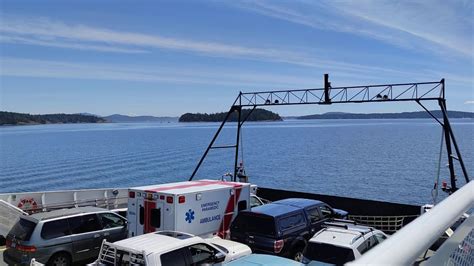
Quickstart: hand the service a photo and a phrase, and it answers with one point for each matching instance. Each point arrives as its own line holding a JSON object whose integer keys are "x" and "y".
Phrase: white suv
{"x": 170, "y": 248}
{"x": 340, "y": 242}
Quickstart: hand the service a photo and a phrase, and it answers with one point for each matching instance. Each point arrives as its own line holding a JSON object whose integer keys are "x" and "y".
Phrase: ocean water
{"x": 389, "y": 160}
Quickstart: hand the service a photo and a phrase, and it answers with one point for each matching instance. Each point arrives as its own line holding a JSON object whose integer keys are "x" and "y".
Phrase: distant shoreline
{"x": 18, "y": 119}
{"x": 11, "y": 118}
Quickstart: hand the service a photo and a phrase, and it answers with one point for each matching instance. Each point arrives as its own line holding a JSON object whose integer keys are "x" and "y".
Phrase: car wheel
{"x": 298, "y": 255}
{"x": 60, "y": 259}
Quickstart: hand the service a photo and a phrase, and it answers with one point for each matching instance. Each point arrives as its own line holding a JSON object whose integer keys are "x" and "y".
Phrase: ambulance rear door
{"x": 152, "y": 212}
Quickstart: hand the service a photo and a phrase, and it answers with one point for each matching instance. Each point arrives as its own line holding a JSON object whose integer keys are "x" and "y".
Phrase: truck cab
{"x": 170, "y": 248}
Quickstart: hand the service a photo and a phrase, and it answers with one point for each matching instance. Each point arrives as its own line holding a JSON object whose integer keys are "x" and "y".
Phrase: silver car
{"x": 64, "y": 236}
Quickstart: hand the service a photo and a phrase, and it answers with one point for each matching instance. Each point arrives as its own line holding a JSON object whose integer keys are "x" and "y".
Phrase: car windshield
{"x": 22, "y": 230}
{"x": 328, "y": 254}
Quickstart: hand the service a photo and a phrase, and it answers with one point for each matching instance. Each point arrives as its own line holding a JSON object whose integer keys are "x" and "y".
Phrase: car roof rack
{"x": 332, "y": 224}
{"x": 344, "y": 221}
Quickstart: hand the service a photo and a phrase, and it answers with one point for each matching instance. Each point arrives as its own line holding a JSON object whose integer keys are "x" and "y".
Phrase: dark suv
{"x": 282, "y": 227}
{"x": 62, "y": 237}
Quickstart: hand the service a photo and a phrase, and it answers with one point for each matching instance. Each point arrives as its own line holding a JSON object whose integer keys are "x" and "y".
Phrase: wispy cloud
{"x": 68, "y": 45}
{"x": 53, "y": 33}
{"x": 423, "y": 25}
{"x": 19, "y": 67}
{"x": 469, "y": 102}
{"x": 238, "y": 78}
{"x": 47, "y": 32}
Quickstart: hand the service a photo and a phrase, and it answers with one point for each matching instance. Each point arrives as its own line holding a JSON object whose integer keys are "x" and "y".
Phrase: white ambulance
{"x": 203, "y": 208}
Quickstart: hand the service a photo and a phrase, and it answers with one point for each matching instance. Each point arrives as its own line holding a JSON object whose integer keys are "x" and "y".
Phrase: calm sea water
{"x": 390, "y": 160}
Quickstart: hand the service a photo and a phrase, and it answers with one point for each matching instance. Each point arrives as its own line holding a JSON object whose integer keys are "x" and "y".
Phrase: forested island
{"x": 256, "y": 115}
{"x": 420, "y": 114}
{"x": 10, "y": 118}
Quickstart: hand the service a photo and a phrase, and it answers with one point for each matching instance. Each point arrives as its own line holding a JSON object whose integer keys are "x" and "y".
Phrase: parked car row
{"x": 282, "y": 227}
{"x": 284, "y": 232}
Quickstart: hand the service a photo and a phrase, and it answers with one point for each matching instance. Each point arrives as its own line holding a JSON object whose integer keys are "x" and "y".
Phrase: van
{"x": 62, "y": 237}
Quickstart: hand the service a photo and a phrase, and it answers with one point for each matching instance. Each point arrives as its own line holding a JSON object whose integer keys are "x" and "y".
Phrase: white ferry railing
{"x": 414, "y": 239}
{"x": 50, "y": 200}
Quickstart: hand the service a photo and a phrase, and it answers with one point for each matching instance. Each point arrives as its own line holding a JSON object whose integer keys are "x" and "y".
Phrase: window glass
{"x": 110, "y": 220}
{"x": 314, "y": 215}
{"x": 226, "y": 251}
{"x": 174, "y": 258}
{"x": 363, "y": 247}
{"x": 22, "y": 230}
{"x": 380, "y": 237}
{"x": 369, "y": 243}
{"x": 84, "y": 224}
{"x": 142, "y": 215}
{"x": 242, "y": 205}
{"x": 327, "y": 253}
{"x": 291, "y": 221}
{"x": 325, "y": 211}
{"x": 155, "y": 218}
{"x": 254, "y": 202}
{"x": 201, "y": 253}
{"x": 254, "y": 224}
{"x": 55, "y": 229}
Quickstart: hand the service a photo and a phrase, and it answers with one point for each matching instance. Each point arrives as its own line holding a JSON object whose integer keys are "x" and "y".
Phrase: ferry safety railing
{"x": 418, "y": 92}
{"x": 51, "y": 200}
{"x": 387, "y": 224}
{"x": 414, "y": 239}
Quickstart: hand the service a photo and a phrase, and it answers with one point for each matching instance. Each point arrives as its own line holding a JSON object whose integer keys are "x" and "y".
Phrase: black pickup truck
{"x": 282, "y": 227}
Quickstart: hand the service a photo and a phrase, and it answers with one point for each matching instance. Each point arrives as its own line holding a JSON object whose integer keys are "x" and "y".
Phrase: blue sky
{"x": 170, "y": 57}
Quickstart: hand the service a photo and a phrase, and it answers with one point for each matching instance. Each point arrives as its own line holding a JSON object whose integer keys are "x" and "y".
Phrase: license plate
{"x": 13, "y": 245}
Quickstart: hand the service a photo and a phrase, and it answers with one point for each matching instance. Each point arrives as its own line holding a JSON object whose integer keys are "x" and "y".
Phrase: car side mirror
{"x": 219, "y": 257}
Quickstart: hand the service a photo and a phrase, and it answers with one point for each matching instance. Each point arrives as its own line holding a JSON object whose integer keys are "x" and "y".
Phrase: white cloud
{"x": 47, "y": 32}
{"x": 344, "y": 74}
{"x": 69, "y": 45}
{"x": 469, "y": 102}
{"x": 439, "y": 27}
{"x": 18, "y": 67}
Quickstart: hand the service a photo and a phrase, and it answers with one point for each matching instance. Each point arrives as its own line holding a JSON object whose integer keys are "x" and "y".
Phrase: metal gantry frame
{"x": 402, "y": 92}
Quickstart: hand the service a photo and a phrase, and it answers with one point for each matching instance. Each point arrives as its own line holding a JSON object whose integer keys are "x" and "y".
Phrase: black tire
{"x": 60, "y": 259}
{"x": 297, "y": 252}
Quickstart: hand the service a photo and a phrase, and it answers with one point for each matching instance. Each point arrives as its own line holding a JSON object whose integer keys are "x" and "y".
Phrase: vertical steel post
{"x": 447, "y": 137}
{"x": 461, "y": 162}
{"x": 327, "y": 86}
{"x": 239, "y": 113}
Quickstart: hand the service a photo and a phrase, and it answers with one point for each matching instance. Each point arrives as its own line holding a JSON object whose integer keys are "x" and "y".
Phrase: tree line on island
{"x": 10, "y": 118}
{"x": 403, "y": 115}
{"x": 256, "y": 115}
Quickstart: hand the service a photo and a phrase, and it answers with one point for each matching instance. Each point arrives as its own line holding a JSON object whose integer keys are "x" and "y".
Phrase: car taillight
{"x": 131, "y": 194}
{"x": 169, "y": 199}
{"x": 278, "y": 246}
{"x": 8, "y": 243}
{"x": 26, "y": 248}
{"x": 181, "y": 199}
